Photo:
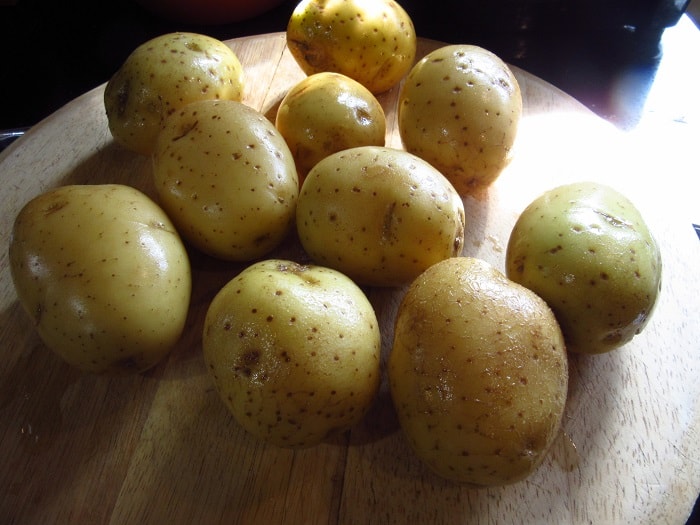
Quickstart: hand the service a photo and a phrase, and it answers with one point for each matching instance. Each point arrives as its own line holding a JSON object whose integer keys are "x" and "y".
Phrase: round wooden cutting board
{"x": 160, "y": 447}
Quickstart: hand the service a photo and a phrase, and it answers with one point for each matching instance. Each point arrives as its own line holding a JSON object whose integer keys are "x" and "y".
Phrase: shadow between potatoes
{"x": 381, "y": 420}
{"x": 271, "y": 111}
{"x": 113, "y": 164}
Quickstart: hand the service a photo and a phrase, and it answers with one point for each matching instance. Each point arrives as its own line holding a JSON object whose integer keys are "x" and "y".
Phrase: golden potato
{"x": 103, "y": 273}
{"x": 227, "y": 179}
{"x": 379, "y": 215}
{"x": 478, "y": 373}
{"x": 586, "y": 250}
{"x": 459, "y": 109}
{"x": 293, "y": 351}
{"x": 371, "y": 41}
{"x": 325, "y": 113}
{"x": 161, "y": 76}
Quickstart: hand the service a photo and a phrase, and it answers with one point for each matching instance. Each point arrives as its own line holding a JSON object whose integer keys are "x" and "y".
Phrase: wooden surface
{"x": 161, "y": 448}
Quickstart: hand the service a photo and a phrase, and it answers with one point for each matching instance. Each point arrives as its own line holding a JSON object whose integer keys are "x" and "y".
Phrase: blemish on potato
{"x": 247, "y": 362}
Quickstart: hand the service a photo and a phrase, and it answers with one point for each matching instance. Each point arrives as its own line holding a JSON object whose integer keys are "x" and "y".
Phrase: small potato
{"x": 478, "y": 373}
{"x": 293, "y": 351}
{"x": 328, "y": 112}
{"x": 586, "y": 250}
{"x": 161, "y": 76}
{"x": 459, "y": 109}
{"x": 227, "y": 179}
{"x": 371, "y": 41}
{"x": 104, "y": 275}
{"x": 379, "y": 215}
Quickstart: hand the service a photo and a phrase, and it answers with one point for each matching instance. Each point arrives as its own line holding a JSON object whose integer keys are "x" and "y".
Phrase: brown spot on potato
{"x": 247, "y": 362}
{"x": 55, "y": 206}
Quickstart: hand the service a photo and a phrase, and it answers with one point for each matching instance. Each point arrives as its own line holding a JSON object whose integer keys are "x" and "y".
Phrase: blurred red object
{"x": 209, "y": 11}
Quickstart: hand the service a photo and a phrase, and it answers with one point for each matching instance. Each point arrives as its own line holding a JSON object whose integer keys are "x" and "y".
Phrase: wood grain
{"x": 161, "y": 448}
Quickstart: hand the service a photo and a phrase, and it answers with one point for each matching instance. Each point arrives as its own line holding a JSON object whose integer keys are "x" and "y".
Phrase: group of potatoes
{"x": 478, "y": 368}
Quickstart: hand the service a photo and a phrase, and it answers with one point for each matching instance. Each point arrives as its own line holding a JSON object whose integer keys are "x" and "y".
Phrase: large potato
{"x": 478, "y": 373}
{"x": 379, "y": 215}
{"x": 328, "y": 112}
{"x": 371, "y": 41}
{"x": 459, "y": 109}
{"x": 161, "y": 76}
{"x": 586, "y": 250}
{"x": 103, "y": 274}
{"x": 227, "y": 179}
{"x": 293, "y": 351}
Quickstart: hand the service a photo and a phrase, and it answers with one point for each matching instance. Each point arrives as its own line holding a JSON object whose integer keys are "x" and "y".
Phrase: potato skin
{"x": 293, "y": 351}
{"x": 162, "y": 75}
{"x": 326, "y": 113}
{"x": 371, "y": 41}
{"x": 478, "y": 373}
{"x": 227, "y": 179}
{"x": 586, "y": 250}
{"x": 459, "y": 109}
{"x": 379, "y": 215}
{"x": 104, "y": 275}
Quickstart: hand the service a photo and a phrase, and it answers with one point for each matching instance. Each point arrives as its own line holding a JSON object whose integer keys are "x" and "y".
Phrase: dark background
{"x": 54, "y": 51}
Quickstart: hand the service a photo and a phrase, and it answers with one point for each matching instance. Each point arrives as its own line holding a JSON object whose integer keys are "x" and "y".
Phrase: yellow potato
{"x": 459, "y": 109}
{"x": 478, "y": 373}
{"x": 379, "y": 215}
{"x": 371, "y": 41}
{"x": 586, "y": 250}
{"x": 293, "y": 351}
{"x": 328, "y": 112}
{"x": 227, "y": 179}
{"x": 103, "y": 274}
{"x": 161, "y": 76}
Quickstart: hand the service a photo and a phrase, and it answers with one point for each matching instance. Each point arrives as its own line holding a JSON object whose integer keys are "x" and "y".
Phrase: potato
{"x": 586, "y": 250}
{"x": 326, "y": 113}
{"x": 227, "y": 179}
{"x": 162, "y": 75}
{"x": 459, "y": 109}
{"x": 478, "y": 373}
{"x": 379, "y": 215}
{"x": 371, "y": 41}
{"x": 103, "y": 274}
{"x": 293, "y": 351}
